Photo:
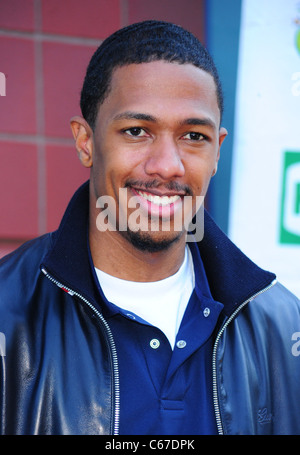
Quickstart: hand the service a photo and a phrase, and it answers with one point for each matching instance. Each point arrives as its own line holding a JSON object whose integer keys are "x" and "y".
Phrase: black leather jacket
{"x": 59, "y": 374}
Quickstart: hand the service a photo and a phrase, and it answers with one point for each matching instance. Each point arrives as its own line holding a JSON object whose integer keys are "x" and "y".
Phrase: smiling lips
{"x": 159, "y": 200}
{"x": 158, "y": 205}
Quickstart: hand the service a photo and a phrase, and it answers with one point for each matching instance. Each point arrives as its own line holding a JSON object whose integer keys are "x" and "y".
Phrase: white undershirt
{"x": 160, "y": 303}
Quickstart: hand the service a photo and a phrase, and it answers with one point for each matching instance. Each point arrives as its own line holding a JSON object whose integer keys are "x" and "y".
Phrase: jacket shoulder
{"x": 32, "y": 248}
{"x": 19, "y": 270}
{"x": 270, "y": 320}
{"x": 278, "y": 305}
{"x": 260, "y": 367}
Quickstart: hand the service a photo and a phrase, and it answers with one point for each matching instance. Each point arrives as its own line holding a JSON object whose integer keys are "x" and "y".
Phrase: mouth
{"x": 158, "y": 204}
{"x": 159, "y": 200}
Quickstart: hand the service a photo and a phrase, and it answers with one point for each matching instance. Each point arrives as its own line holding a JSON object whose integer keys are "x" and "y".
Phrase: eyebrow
{"x": 199, "y": 121}
{"x": 128, "y": 115}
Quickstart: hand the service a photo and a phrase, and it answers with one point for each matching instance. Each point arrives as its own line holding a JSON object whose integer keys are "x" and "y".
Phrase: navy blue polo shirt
{"x": 165, "y": 391}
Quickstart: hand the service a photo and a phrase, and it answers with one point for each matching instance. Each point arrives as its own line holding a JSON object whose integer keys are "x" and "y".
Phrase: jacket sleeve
{"x": 259, "y": 367}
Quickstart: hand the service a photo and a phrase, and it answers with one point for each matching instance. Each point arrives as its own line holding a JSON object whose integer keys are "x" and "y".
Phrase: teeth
{"x": 159, "y": 200}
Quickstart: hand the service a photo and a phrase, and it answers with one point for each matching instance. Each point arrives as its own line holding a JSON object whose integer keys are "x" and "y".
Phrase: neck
{"x": 114, "y": 254}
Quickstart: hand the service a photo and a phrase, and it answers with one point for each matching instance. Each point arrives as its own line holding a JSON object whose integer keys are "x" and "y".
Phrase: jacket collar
{"x": 233, "y": 278}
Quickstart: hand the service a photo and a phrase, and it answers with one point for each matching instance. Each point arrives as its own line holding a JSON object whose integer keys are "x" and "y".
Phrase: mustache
{"x": 156, "y": 183}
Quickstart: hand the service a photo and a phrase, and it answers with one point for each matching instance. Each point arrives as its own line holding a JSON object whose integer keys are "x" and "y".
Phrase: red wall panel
{"x": 88, "y": 18}
{"x": 18, "y": 107}
{"x": 64, "y": 174}
{"x": 18, "y": 190}
{"x": 17, "y": 16}
{"x": 64, "y": 67}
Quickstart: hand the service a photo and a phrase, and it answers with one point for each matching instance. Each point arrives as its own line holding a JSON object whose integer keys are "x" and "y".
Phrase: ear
{"x": 83, "y": 136}
{"x": 222, "y": 134}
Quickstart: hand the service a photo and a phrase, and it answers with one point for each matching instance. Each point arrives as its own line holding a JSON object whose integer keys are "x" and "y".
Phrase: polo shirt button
{"x": 206, "y": 312}
{"x": 154, "y": 343}
{"x": 181, "y": 344}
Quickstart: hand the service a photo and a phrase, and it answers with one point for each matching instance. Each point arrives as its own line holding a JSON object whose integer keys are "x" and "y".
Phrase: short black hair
{"x": 142, "y": 42}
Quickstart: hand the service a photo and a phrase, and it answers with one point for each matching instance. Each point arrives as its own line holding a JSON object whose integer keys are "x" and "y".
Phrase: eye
{"x": 194, "y": 136}
{"x": 136, "y": 132}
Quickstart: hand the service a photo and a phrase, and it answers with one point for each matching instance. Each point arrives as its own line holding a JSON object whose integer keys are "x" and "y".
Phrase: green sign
{"x": 290, "y": 199}
{"x": 298, "y": 40}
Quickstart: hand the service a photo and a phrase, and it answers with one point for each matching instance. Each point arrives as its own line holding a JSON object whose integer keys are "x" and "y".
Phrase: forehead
{"x": 158, "y": 87}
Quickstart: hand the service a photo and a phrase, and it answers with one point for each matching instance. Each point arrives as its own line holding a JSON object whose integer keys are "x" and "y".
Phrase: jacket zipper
{"x": 112, "y": 347}
{"x": 214, "y": 356}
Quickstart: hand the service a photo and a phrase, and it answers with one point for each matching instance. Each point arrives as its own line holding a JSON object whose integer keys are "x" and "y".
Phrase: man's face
{"x": 157, "y": 138}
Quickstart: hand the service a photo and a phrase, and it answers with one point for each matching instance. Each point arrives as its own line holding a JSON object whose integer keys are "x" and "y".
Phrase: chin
{"x": 144, "y": 241}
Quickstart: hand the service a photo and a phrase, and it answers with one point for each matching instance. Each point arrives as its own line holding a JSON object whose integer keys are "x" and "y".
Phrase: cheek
{"x": 112, "y": 169}
{"x": 199, "y": 173}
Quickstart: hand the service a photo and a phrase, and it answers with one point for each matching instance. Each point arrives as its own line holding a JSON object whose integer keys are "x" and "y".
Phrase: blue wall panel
{"x": 222, "y": 40}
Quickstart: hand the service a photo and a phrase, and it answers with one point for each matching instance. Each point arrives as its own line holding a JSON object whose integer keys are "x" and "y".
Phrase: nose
{"x": 164, "y": 159}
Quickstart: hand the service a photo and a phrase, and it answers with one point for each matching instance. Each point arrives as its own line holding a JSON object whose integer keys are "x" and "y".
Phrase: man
{"x": 119, "y": 323}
